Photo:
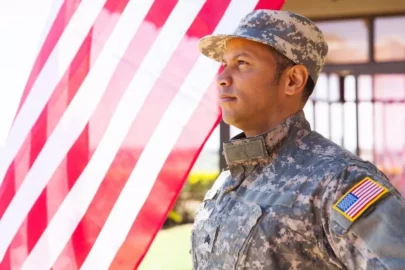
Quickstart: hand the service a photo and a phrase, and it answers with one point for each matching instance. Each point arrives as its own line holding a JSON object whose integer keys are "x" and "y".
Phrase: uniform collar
{"x": 241, "y": 150}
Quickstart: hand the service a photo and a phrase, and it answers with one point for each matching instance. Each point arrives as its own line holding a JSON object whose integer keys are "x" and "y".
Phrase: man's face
{"x": 248, "y": 93}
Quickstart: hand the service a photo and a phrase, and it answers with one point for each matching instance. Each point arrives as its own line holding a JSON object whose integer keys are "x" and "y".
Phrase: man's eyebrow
{"x": 237, "y": 55}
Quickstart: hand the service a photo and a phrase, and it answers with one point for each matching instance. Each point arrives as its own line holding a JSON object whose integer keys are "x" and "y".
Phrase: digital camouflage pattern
{"x": 273, "y": 208}
{"x": 293, "y": 35}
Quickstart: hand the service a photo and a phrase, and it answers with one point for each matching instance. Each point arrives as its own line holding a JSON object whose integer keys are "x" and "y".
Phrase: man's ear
{"x": 295, "y": 80}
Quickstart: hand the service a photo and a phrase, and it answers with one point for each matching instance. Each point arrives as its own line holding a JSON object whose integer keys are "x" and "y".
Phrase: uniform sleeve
{"x": 364, "y": 219}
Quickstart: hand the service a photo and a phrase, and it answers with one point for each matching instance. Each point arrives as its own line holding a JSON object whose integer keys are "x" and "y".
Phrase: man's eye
{"x": 241, "y": 62}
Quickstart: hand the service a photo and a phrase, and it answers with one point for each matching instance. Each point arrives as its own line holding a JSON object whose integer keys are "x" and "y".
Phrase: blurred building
{"x": 359, "y": 100}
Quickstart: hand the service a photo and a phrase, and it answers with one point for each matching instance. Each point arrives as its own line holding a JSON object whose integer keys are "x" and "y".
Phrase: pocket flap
{"x": 266, "y": 198}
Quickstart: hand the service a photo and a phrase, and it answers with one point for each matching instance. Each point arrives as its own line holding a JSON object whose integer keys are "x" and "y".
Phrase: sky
{"x": 22, "y": 33}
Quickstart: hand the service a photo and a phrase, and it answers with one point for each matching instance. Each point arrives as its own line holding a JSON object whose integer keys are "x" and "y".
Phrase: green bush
{"x": 191, "y": 196}
{"x": 198, "y": 184}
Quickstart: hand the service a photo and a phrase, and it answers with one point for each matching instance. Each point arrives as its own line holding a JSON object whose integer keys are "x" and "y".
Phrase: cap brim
{"x": 213, "y": 46}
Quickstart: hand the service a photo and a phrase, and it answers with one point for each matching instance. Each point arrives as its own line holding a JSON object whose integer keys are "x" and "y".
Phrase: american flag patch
{"x": 359, "y": 198}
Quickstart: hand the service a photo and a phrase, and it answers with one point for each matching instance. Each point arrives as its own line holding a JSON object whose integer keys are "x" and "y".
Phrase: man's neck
{"x": 269, "y": 125}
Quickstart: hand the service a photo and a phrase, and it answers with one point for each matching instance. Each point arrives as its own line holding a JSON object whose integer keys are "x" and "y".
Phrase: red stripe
{"x": 65, "y": 13}
{"x": 59, "y": 101}
{"x": 275, "y": 4}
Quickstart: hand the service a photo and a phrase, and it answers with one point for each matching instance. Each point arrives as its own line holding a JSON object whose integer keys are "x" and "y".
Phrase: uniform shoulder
{"x": 325, "y": 149}
{"x": 335, "y": 166}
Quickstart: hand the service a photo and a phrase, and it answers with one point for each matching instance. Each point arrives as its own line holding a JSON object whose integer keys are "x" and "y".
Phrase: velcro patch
{"x": 359, "y": 198}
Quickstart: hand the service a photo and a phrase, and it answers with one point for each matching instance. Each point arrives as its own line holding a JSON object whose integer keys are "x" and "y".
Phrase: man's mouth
{"x": 226, "y": 98}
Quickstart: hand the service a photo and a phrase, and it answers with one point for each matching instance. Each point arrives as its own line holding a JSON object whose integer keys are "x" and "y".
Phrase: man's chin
{"x": 228, "y": 119}
{"x": 231, "y": 120}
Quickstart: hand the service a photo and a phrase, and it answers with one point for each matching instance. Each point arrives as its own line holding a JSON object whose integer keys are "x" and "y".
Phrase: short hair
{"x": 282, "y": 64}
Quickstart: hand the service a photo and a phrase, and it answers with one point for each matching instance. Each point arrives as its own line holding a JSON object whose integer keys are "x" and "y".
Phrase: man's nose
{"x": 224, "y": 79}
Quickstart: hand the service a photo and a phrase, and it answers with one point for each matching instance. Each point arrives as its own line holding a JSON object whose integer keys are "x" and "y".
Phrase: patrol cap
{"x": 293, "y": 35}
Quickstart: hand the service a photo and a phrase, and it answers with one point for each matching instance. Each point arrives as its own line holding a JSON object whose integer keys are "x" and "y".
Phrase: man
{"x": 291, "y": 199}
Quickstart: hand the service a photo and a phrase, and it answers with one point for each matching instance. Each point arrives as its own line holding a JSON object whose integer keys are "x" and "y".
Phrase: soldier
{"x": 290, "y": 198}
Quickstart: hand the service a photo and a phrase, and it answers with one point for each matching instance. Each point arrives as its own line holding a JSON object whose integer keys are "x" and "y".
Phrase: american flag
{"x": 359, "y": 198}
{"x": 117, "y": 103}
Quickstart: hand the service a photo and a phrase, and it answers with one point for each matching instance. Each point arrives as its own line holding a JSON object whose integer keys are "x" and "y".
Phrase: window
{"x": 389, "y": 39}
{"x": 347, "y": 41}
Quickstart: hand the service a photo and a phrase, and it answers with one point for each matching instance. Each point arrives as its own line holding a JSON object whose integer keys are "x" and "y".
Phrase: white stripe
{"x": 152, "y": 159}
{"x": 18, "y": 52}
{"x": 72, "y": 122}
{"x": 57, "y": 64}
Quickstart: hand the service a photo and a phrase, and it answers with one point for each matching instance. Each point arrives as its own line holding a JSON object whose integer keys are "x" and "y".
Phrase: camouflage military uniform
{"x": 274, "y": 209}
{"x": 285, "y": 201}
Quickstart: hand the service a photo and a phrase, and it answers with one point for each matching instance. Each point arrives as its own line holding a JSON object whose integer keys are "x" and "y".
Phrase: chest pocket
{"x": 235, "y": 230}
{"x": 217, "y": 237}
{"x": 204, "y": 234}
{"x": 283, "y": 209}
{"x": 220, "y": 234}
